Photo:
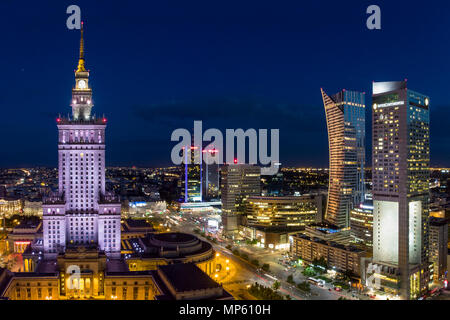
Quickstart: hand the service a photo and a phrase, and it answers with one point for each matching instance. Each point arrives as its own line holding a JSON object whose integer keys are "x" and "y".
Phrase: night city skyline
{"x": 241, "y": 152}
{"x": 161, "y": 67}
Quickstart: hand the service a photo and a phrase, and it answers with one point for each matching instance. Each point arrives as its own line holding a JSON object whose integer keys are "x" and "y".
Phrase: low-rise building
{"x": 342, "y": 258}
{"x": 27, "y": 232}
{"x": 289, "y": 213}
{"x": 438, "y": 247}
{"x": 10, "y": 206}
{"x": 361, "y": 223}
{"x": 153, "y": 250}
{"x": 196, "y": 286}
{"x": 32, "y": 208}
{"x": 134, "y": 228}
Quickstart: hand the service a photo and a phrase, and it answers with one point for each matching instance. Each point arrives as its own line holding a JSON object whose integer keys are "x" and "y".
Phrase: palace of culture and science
{"x": 82, "y": 212}
{"x": 81, "y": 253}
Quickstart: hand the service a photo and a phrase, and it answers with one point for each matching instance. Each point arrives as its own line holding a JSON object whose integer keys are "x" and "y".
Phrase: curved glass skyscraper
{"x": 345, "y": 115}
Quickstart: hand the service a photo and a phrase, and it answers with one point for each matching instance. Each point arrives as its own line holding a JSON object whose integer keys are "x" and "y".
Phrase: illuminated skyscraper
{"x": 401, "y": 163}
{"x": 238, "y": 182}
{"x": 82, "y": 212}
{"x": 191, "y": 188}
{"x": 211, "y": 175}
{"x": 345, "y": 115}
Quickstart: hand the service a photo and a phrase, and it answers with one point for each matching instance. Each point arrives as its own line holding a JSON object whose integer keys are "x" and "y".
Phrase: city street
{"x": 242, "y": 274}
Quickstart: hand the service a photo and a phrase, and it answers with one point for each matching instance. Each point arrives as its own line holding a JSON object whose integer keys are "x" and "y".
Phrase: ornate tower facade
{"x": 82, "y": 212}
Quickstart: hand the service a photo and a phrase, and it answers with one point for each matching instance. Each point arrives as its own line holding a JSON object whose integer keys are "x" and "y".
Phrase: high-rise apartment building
{"x": 345, "y": 115}
{"x": 238, "y": 182}
{"x": 401, "y": 163}
{"x": 81, "y": 212}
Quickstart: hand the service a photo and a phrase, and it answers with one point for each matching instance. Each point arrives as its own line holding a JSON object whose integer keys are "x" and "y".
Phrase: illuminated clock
{"x": 82, "y": 84}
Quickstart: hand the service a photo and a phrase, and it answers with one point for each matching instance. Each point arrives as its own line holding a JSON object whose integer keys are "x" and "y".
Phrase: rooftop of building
{"x": 130, "y": 224}
{"x": 330, "y": 243}
{"x": 47, "y": 267}
{"x": 116, "y": 266}
{"x": 290, "y": 229}
{"x": 5, "y": 278}
{"x": 438, "y": 222}
{"x": 171, "y": 245}
{"x": 187, "y": 277}
{"x": 174, "y": 237}
{"x": 324, "y": 227}
{"x": 28, "y": 224}
{"x": 287, "y": 199}
{"x": 8, "y": 198}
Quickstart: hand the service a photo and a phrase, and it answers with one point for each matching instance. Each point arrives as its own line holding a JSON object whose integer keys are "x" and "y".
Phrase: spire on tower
{"x": 81, "y": 67}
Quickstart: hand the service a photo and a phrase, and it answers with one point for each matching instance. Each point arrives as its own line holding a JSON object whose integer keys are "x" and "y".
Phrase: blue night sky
{"x": 159, "y": 65}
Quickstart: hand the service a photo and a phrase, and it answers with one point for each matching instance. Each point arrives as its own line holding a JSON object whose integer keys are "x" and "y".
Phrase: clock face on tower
{"x": 82, "y": 84}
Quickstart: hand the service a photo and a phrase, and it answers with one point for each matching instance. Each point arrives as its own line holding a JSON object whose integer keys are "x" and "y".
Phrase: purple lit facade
{"x": 82, "y": 212}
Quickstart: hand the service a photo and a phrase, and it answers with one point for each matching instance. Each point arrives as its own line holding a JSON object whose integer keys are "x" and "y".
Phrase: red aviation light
{"x": 235, "y": 161}
{"x": 104, "y": 120}
{"x": 58, "y": 120}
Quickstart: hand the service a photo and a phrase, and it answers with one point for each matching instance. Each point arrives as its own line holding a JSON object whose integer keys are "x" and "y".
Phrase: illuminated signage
{"x": 390, "y": 104}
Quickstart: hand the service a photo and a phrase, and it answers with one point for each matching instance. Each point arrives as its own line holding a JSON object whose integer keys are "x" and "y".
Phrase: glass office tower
{"x": 191, "y": 188}
{"x": 345, "y": 115}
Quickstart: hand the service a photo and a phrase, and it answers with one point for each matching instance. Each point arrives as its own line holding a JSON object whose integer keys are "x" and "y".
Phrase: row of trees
{"x": 304, "y": 285}
{"x": 243, "y": 255}
{"x": 204, "y": 235}
{"x": 266, "y": 293}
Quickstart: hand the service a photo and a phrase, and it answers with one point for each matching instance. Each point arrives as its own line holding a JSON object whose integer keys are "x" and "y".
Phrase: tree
{"x": 266, "y": 267}
{"x": 276, "y": 285}
{"x": 290, "y": 279}
{"x": 309, "y": 272}
{"x": 304, "y": 286}
{"x": 264, "y": 293}
{"x": 320, "y": 265}
{"x": 255, "y": 262}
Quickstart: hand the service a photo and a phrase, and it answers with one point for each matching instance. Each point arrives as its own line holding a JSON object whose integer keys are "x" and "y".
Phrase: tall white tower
{"x": 81, "y": 212}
